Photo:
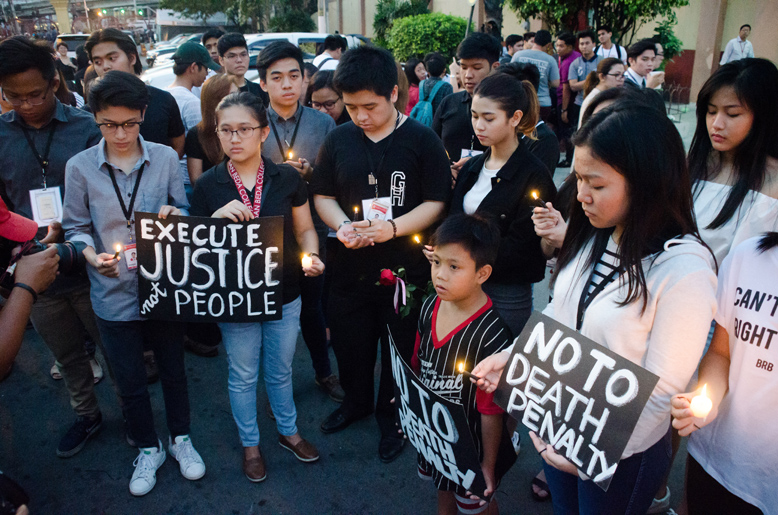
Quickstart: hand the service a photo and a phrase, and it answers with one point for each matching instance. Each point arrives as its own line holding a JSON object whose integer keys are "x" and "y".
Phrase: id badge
{"x": 377, "y": 208}
{"x": 131, "y": 256}
{"x": 46, "y": 205}
{"x": 467, "y": 152}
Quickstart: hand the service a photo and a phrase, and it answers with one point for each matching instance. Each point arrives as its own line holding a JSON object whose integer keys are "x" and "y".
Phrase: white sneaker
{"x": 189, "y": 461}
{"x": 660, "y": 505}
{"x": 146, "y": 464}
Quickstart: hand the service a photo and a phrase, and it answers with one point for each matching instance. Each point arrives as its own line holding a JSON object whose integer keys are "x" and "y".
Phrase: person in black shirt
{"x": 234, "y": 58}
{"x": 393, "y": 171}
{"x": 478, "y": 55}
{"x": 111, "y": 49}
{"x": 66, "y": 64}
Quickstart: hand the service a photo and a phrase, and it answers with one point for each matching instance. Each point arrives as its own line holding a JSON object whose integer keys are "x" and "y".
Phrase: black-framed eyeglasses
{"x": 243, "y": 132}
{"x": 112, "y": 127}
{"x": 616, "y": 75}
{"x": 329, "y": 104}
{"x": 33, "y": 100}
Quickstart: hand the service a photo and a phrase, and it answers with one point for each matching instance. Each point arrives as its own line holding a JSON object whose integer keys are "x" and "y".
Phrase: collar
{"x": 740, "y": 40}
{"x": 276, "y": 118}
{"x": 465, "y": 96}
{"x": 59, "y": 115}
{"x": 223, "y": 175}
{"x": 515, "y": 164}
{"x": 594, "y": 58}
{"x": 102, "y": 158}
{"x": 634, "y": 77}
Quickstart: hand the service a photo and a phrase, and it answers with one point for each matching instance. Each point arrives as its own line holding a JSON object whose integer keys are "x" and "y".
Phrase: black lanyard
{"x": 126, "y": 210}
{"x": 586, "y": 300}
{"x": 43, "y": 160}
{"x": 294, "y": 134}
{"x": 373, "y": 178}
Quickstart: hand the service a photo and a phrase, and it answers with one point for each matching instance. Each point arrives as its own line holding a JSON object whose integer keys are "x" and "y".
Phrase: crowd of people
{"x": 668, "y": 259}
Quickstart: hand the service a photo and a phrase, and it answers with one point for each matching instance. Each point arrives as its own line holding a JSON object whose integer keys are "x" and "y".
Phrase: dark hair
{"x": 769, "y": 239}
{"x": 755, "y": 82}
{"x": 513, "y": 39}
{"x": 276, "y": 51}
{"x": 230, "y": 40}
{"x": 121, "y": 40}
{"x": 366, "y": 68}
{"x": 435, "y": 64}
{"x": 82, "y": 58}
{"x": 586, "y": 34}
{"x": 542, "y": 37}
{"x": 528, "y": 36}
{"x": 512, "y": 95}
{"x": 410, "y": 70}
{"x": 614, "y": 138}
{"x": 567, "y": 37}
{"x": 603, "y": 68}
{"x": 644, "y": 96}
{"x": 19, "y": 54}
{"x": 635, "y": 50}
{"x": 118, "y": 89}
{"x": 320, "y": 80}
{"x": 522, "y": 71}
{"x": 479, "y": 236}
{"x": 605, "y": 27}
{"x": 61, "y": 42}
{"x": 310, "y": 69}
{"x": 210, "y": 34}
{"x": 335, "y": 42}
{"x": 248, "y": 100}
{"x": 180, "y": 68}
{"x": 744, "y": 25}
{"x": 479, "y": 45}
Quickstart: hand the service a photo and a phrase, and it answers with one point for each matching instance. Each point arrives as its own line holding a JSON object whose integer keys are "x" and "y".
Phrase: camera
{"x": 71, "y": 257}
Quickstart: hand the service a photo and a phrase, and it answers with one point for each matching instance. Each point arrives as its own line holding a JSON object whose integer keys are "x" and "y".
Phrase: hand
{"x": 683, "y": 419}
{"x": 38, "y": 270}
{"x": 303, "y": 167}
{"x": 235, "y": 210}
{"x": 453, "y": 68}
{"x": 427, "y": 250}
{"x": 490, "y": 480}
{"x": 316, "y": 268}
{"x": 164, "y": 211}
{"x": 105, "y": 264}
{"x": 54, "y": 235}
{"x": 349, "y": 237}
{"x": 550, "y": 455}
{"x": 376, "y": 230}
{"x": 654, "y": 80}
{"x": 549, "y": 225}
{"x": 489, "y": 370}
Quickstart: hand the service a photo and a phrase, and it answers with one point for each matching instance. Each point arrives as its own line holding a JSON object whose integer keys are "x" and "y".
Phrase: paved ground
{"x": 348, "y": 479}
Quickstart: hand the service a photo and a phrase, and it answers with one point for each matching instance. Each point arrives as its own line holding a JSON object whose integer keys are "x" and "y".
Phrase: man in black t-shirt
{"x": 379, "y": 181}
{"x": 235, "y": 60}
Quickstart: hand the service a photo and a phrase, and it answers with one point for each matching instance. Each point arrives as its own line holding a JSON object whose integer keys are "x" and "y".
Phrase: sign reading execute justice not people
{"x": 575, "y": 394}
{"x": 436, "y": 427}
{"x": 198, "y": 269}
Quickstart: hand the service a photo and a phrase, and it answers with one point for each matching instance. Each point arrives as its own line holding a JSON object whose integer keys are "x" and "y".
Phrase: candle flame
{"x": 291, "y": 154}
{"x": 118, "y": 247}
{"x": 703, "y": 393}
{"x": 307, "y": 261}
{"x": 417, "y": 239}
{"x": 356, "y": 209}
{"x": 534, "y": 194}
{"x": 461, "y": 367}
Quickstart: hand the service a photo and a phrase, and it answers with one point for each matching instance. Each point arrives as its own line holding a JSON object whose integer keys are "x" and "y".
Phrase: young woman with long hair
{"x": 609, "y": 74}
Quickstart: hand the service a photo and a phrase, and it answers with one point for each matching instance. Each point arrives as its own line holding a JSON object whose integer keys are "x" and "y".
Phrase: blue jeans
{"x": 513, "y": 302}
{"x": 631, "y": 491}
{"x": 271, "y": 344}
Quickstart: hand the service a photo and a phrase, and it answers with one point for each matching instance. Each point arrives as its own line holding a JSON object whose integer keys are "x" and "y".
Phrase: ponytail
{"x": 592, "y": 80}
{"x": 531, "y": 114}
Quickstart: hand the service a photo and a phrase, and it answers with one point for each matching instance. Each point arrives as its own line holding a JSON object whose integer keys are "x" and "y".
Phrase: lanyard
{"x": 126, "y": 210}
{"x": 43, "y": 160}
{"x": 254, "y": 208}
{"x": 294, "y": 134}
{"x": 373, "y": 178}
{"x": 586, "y": 300}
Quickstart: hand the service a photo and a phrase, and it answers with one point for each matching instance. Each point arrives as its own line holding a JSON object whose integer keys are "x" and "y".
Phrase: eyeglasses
{"x": 616, "y": 75}
{"x": 32, "y": 100}
{"x": 231, "y": 57}
{"x": 243, "y": 132}
{"x": 329, "y": 104}
{"x": 111, "y": 128}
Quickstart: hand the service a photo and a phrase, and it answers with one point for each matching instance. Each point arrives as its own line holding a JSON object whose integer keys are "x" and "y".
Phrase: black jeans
{"x": 313, "y": 324}
{"x": 566, "y": 130}
{"x": 358, "y": 320}
{"x": 706, "y": 496}
{"x": 123, "y": 343}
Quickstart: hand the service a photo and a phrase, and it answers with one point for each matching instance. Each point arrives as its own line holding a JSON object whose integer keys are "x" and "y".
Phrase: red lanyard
{"x": 254, "y": 208}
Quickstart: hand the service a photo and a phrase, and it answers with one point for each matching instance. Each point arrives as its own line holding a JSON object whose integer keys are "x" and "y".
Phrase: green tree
{"x": 414, "y": 36}
{"x": 389, "y": 10}
{"x": 624, "y": 16}
{"x": 670, "y": 43}
{"x": 293, "y": 20}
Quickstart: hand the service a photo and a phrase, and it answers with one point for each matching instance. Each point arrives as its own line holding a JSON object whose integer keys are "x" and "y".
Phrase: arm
{"x": 566, "y": 95}
{"x": 491, "y": 433}
{"x": 306, "y": 237}
{"x": 177, "y": 143}
{"x": 418, "y": 219}
{"x": 727, "y": 54}
{"x": 195, "y": 168}
{"x": 553, "y": 84}
{"x": 175, "y": 190}
{"x": 553, "y": 74}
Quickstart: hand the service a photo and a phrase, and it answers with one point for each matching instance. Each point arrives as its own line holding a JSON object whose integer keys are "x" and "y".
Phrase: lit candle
{"x": 307, "y": 261}
{"x": 356, "y": 213}
{"x": 417, "y": 239}
{"x": 465, "y": 373}
{"x": 290, "y": 154}
{"x": 701, "y": 404}
{"x": 118, "y": 249}
{"x": 537, "y": 198}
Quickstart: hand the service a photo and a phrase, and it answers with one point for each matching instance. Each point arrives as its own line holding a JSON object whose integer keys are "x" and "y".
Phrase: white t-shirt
{"x": 757, "y": 214}
{"x": 738, "y": 448}
{"x": 189, "y": 106}
{"x": 619, "y": 52}
{"x": 331, "y": 64}
{"x": 481, "y": 188}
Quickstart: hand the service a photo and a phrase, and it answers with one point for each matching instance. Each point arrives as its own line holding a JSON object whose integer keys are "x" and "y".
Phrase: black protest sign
{"x": 575, "y": 394}
{"x": 197, "y": 269}
{"x": 436, "y": 427}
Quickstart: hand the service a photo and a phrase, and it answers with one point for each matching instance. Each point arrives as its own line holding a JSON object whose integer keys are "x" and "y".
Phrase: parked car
{"x": 164, "y": 51}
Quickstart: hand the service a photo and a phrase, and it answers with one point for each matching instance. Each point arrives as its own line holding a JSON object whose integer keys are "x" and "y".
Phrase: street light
{"x": 470, "y": 22}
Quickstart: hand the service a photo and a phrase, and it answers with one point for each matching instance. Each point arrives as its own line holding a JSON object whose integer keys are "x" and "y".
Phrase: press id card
{"x": 468, "y": 152}
{"x": 46, "y": 205}
{"x": 377, "y": 208}
{"x": 131, "y": 256}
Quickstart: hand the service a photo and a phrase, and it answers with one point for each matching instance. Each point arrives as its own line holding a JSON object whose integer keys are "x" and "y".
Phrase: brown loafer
{"x": 254, "y": 468}
{"x": 304, "y": 451}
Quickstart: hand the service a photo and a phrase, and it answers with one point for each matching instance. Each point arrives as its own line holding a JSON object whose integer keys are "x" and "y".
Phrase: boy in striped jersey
{"x": 459, "y": 326}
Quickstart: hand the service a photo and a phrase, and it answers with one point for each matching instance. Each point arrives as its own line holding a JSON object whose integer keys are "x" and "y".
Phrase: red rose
{"x": 387, "y": 278}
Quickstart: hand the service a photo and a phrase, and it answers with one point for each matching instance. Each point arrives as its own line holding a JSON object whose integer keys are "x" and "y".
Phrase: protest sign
{"x": 575, "y": 394}
{"x": 436, "y": 427}
{"x": 209, "y": 269}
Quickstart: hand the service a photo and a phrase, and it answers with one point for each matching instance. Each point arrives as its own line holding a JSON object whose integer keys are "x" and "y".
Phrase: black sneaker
{"x": 76, "y": 437}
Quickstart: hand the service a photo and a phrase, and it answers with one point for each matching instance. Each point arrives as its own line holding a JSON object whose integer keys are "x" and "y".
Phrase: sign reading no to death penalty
{"x": 209, "y": 269}
{"x": 436, "y": 427}
{"x": 575, "y": 394}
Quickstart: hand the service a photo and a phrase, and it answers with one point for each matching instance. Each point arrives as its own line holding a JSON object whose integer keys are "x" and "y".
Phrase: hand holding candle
{"x": 117, "y": 248}
{"x": 465, "y": 373}
{"x": 539, "y": 201}
{"x": 290, "y": 155}
{"x": 356, "y": 213}
{"x": 307, "y": 261}
{"x": 701, "y": 404}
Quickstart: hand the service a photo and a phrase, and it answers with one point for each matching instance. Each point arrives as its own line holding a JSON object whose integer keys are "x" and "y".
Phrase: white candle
{"x": 118, "y": 249}
{"x": 307, "y": 261}
{"x": 701, "y": 404}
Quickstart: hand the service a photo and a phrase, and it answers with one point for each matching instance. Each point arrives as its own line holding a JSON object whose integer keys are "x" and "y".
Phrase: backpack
{"x": 619, "y": 48}
{"x": 324, "y": 62}
{"x": 422, "y": 111}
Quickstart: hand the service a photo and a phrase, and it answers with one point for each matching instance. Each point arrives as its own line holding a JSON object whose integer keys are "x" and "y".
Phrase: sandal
{"x": 543, "y": 486}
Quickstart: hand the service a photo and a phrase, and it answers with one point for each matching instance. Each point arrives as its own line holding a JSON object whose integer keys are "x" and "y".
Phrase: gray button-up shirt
{"x": 93, "y": 215}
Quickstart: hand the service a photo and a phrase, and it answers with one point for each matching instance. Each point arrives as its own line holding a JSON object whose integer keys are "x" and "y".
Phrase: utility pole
{"x": 13, "y": 16}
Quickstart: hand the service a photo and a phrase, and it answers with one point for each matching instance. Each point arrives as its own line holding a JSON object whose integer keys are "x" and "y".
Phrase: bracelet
{"x": 394, "y": 228}
{"x": 314, "y": 254}
{"x": 29, "y": 289}
{"x": 344, "y": 223}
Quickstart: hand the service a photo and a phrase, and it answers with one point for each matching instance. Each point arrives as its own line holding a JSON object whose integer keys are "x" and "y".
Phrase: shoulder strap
{"x": 323, "y": 62}
{"x": 435, "y": 89}
{"x": 421, "y": 90}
